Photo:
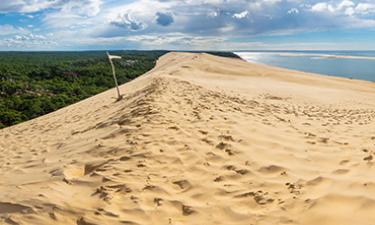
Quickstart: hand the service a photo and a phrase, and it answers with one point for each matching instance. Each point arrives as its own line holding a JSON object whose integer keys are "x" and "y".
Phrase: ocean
{"x": 349, "y": 64}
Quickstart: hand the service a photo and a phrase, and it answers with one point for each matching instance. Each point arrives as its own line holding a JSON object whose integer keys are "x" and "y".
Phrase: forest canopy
{"x": 36, "y": 83}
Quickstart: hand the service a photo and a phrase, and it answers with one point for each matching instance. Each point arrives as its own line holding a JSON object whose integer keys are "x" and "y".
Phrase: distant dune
{"x": 198, "y": 140}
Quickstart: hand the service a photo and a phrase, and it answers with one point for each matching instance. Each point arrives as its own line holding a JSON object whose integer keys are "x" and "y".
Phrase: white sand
{"x": 198, "y": 140}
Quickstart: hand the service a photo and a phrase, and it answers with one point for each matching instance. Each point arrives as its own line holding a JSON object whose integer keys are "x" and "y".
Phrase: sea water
{"x": 349, "y": 64}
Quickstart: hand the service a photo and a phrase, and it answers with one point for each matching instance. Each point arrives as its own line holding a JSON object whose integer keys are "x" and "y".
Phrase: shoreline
{"x": 304, "y": 71}
{"x": 292, "y": 54}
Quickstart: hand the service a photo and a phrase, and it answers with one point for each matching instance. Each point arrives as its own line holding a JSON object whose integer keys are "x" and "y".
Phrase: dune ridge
{"x": 198, "y": 140}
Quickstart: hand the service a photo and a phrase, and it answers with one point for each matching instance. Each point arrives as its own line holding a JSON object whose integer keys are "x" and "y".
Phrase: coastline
{"x": 306, "y": 69}
{"x": 286, "y": 53}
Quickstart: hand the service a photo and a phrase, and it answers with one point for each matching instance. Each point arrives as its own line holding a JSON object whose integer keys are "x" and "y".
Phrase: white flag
{"x": 114, "y": 57}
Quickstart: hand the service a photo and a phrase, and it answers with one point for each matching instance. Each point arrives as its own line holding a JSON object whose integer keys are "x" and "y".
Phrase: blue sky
{"x": 187, "y": 24}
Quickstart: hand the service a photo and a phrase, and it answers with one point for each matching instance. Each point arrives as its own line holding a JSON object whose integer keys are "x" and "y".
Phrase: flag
{"x": 113, "y": 56}
{"x": 110, "y": 57}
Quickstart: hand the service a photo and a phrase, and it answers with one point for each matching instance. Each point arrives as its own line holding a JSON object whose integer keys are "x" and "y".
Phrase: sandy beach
{"x": 199, "y": 140}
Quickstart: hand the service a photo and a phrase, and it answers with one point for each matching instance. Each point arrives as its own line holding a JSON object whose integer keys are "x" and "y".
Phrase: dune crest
{"x": 198, "y": 140}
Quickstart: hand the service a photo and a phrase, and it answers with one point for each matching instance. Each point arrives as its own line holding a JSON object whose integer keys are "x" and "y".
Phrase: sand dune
{"x": 198, "y": 140}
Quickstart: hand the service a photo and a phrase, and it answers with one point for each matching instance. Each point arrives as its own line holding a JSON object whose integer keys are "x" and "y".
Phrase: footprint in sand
{"x": 226, "y": 147}
{"x": 340, "y": 171}
{"x": 183, "y": 184}
{"x": 294, "y": 188}
{"x": 83, "y": 221}
{"x": 218, "y": 179}
{"x": 226, "y": 137}
{"x": 368, "y": 158}
{"x": 260, "y": 197}
{"x": 203, "y": 132}
{"x": 238, "y": 171}
{"x": 271, "y": 169}
{"x": 158, "y": 201}
{"x": 345, "y": 161}
{"x": 187, "y": 210}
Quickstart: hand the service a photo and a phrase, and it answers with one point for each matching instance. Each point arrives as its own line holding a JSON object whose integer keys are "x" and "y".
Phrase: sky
{"x": 228, "y": 25}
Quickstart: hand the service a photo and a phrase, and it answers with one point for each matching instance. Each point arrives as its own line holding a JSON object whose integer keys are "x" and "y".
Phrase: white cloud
{"x": 365, "y": 8}
{"x": 241, "y": 15}
{"x": 344, "y": 4}
{"x": 73, "y": 14}
{"x": 28, "y": 6}
{"x": 82, "y": 7}
{"x": 129, "y": 22}
{"x": 7, "y": 29}
{"x": 322, "y": 7}
{"x": 349, "y": 11}
{"x": 29, "y": 41}
{"x": 293, "y": 11}
{"x": 178, "y": 41}
{"x": 345, "y": 7}
{"x": 87, "y": 7}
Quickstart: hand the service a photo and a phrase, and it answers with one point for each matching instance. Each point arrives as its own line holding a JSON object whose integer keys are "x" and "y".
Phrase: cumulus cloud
{"x": 73, "y": 14}
{"x": 365, "y": 8}
{"x": 323, "y": 7}
{"x": 241, "y": 15}
{"x": 28, "y": 41}
{"x": 82, "y": 7}
{"x": 346, "y": 7}
{"x": 128, "y": 22}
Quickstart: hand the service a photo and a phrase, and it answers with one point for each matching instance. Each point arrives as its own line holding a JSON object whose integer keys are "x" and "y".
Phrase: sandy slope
{"x": 199, "y": 140}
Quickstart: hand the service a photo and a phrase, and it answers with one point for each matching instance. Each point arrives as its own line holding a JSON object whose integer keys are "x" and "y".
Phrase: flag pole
{"x": 119, "y": 96}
